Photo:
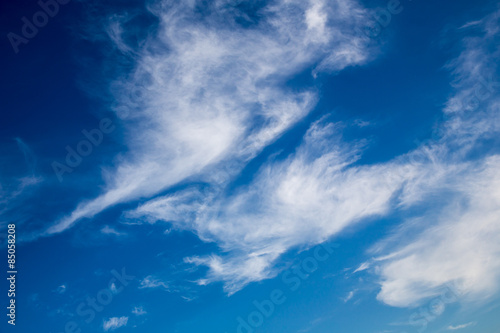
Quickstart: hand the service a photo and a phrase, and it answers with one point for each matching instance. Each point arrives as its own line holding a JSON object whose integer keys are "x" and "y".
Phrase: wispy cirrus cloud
{"x": 349, "y": 296}
{"x": 152, "y": 282}
{"x": 203, "y": 93}
{"x": 456, "y": 243}
{"x": 320, "y": 190}
{"x": 107, "y": 230}
{"x": 61, "y": 289}
{"x": 139, "y": 311}
{"x": 301, "y": 201}
{"x": 17, "y": 185}
{"x": 459, "y": 327}
{"x": 204, "y": 98}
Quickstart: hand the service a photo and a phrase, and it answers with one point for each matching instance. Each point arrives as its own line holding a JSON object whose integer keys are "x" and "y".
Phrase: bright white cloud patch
{"x": 461, "y": 247}
{"x": 113, "y": 323}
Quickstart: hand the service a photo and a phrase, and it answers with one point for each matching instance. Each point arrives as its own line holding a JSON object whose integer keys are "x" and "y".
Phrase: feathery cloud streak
{"x": 203, "y": 92}
{"x": 460, "y": 243}
{"x": 318, "y": 191}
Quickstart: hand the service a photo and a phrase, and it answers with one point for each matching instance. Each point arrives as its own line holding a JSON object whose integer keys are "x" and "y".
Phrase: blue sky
{"x": 252, "y": 166}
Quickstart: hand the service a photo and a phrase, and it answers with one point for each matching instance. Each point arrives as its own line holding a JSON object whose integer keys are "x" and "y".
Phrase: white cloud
{"x": 202, "y": 94}
{"x": 459, "y": 327}
{"x": 188, "y": 299}
{"x": 460, "y": 247}
{"x": 349, "y": 296}
{"x": 139, "y": 311}
{"x": 300, "y": 201}
{"x": 204, "y": 99}
{"x": 114, "y": 322}
{"x": 362, "y": 267}
{"x": 107, "y": 230}
{"x": 61, "y": 289}
{"x": 29, "y": 156}
{"x": 151, "y": 282}
{"x": 458, "y": 242}
{"x": 318, "y": 191}
{"x": 17, "y": 188}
